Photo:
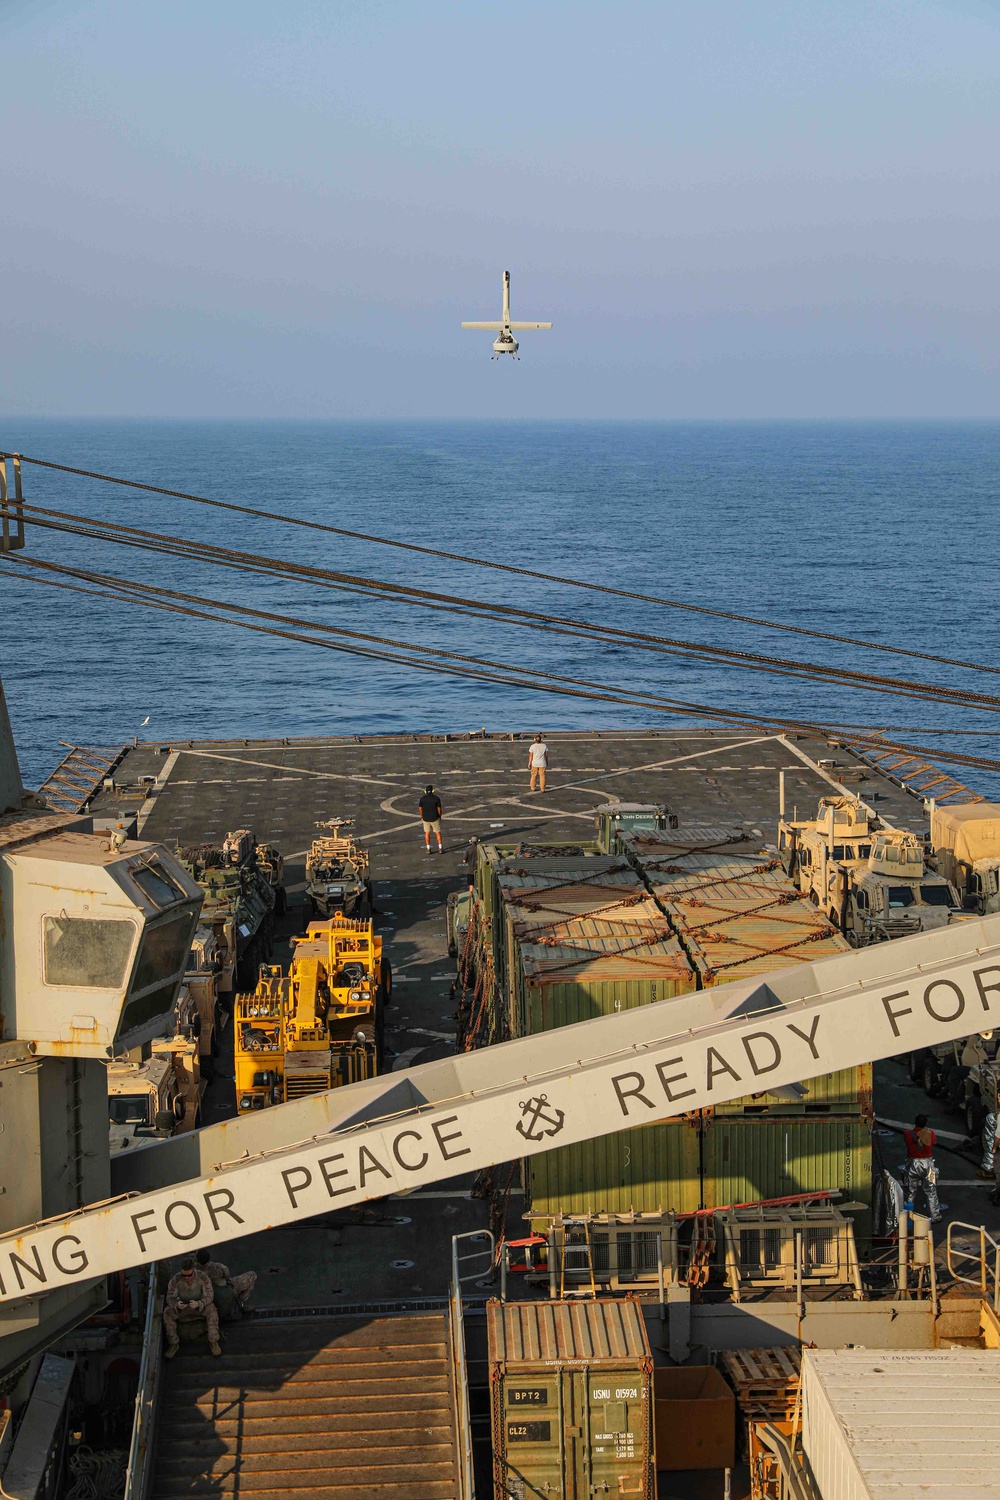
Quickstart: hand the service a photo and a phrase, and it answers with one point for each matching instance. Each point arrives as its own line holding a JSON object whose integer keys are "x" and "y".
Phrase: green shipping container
{"x": 648, "y": 1169}
{"x": 528, "y": 900}
{"x": 739, "y": 916}
{"x": 571, "y": 1399}
{"x": 848, "y": 1091}
{"x": 744, "y": 1161}
{"x": 591, "y": 968}
{"x": 492, "y": 858}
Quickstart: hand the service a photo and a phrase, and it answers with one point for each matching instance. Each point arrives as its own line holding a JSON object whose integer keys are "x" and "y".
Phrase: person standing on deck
{"x": 920, "y": 1169}
{"x": 538, "y": 760}
{"x": 430, "y": 816}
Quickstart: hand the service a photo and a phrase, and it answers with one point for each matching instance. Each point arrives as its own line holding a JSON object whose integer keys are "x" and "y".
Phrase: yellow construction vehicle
{"x": 319, "y": 1026}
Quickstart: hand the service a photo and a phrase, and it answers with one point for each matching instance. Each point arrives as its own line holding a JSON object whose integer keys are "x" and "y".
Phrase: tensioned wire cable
{"x": 480, "y": 562}
{"x": 447, "y": 663}
{"x": 95, "y": 529}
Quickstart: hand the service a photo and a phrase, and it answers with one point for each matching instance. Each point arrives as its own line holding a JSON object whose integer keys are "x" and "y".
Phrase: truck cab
{"x": 145, "y": 1103}
{"x": 897, "y": 895}
{"x": 822, "y": 854}
{"x": 871, "y": 881}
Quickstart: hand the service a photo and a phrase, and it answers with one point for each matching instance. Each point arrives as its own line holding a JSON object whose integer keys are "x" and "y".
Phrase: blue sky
{"x": 728, "y": 209}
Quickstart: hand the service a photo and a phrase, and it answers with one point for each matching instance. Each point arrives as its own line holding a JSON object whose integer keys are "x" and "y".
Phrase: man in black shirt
{"x": 430, "y": 816}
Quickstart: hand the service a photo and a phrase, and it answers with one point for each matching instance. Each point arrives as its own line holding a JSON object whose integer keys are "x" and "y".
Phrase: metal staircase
{"x": 299, "y": 1408}
{"x": 79, "y": 775}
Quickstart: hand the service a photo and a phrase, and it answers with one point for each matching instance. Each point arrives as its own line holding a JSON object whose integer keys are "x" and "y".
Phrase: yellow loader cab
{"x": 320, "y": 1026}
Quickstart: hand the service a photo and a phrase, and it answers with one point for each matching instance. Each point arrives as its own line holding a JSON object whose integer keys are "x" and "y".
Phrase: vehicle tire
{"x": 280, "y": 901}
{"x": 974, "y": 1117}
{"x": 386, "y": 981}
{"x": 916, "y": 1067}
{"x": 930, "y": 1077}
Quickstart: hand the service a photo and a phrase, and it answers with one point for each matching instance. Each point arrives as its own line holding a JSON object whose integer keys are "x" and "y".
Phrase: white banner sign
{"x": 654, "y": 1081}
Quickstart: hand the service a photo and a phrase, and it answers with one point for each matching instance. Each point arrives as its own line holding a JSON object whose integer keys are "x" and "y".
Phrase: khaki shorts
{"x": 434, "y": 827}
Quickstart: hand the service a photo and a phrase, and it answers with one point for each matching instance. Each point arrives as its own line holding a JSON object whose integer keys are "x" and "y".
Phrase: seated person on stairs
{"x": 190, "y": 1299}
{"x": 232, "y": 1293}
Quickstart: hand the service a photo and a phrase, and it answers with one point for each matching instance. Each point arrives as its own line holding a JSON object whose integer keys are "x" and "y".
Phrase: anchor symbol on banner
{"x": 542, "y": 1118}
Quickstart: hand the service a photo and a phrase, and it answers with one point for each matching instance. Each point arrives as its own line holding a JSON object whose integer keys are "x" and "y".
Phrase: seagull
{"x": 144, "y": 722}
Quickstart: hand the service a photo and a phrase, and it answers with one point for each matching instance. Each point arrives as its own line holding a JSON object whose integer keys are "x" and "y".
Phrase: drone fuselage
{"x": 505, "y": 342}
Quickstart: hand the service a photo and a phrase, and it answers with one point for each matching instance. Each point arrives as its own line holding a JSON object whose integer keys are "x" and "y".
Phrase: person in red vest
{"x": 920, "y": 1170}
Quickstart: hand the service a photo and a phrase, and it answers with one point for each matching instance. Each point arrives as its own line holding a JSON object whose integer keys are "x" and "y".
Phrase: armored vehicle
{"x": 338, "y": 878}
{"x": 870, "y": 880}
{"x": 239, "y": 902}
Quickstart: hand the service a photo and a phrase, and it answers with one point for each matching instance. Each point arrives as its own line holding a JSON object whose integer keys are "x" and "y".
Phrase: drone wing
{"x": 518, "y": 327}
{"x": 490, "y": 327}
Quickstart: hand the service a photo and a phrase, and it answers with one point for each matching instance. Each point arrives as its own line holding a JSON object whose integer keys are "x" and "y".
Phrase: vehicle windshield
{"x": 899, "y": 896}
{"x": 129, "y": 1109}
{"x": 935, "y": 895}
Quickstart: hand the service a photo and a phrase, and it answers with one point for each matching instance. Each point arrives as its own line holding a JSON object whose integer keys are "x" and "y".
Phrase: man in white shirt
{"x": 538, "y": 759}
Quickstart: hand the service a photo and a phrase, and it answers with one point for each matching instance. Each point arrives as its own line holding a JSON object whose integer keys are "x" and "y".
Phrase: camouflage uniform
{"x": 189, "y": 1298}
{"x": 219, "y": 1275}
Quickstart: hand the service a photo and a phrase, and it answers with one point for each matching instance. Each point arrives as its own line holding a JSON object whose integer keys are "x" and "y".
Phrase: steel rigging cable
{"x": 477, "y": 668}
{"x": 95, "y": 529}
{"x": 480, "y": 562}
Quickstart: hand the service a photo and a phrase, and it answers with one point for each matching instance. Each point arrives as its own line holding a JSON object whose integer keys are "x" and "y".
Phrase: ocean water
{"x": 883, "y": 531}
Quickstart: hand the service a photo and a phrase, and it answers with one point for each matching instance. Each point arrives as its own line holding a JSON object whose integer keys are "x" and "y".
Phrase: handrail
{"x": 460, "y": 1378}
{"x": 140, "y": 1452}
{"x": 982, "y": 1281}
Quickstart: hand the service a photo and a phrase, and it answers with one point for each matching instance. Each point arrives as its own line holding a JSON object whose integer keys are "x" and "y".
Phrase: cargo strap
{"x": 589, "y": 954}
{"x": 705, "y": 885}
{"x": 653, "y": 933}
{"x": 583, "y": 916}
{"x": 733, "y": 963}
{"x": 678, "y": 853}
{"x": 559, "y": 883}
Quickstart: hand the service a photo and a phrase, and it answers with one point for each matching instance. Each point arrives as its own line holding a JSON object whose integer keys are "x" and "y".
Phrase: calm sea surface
{"x": 889, "y": 532}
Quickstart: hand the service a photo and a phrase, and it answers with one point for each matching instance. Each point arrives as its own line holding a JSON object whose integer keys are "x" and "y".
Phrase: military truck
{"x": 144, "y": 1102}
{"x": 151, "y": 1097}
{"x": 870, "y": 880}
{"x": 338, "y": 877}
{"x": 965, "y": 848}
{"x": 239, "y": 903}
{"x": 963, "y": 1073}
{"x": 209, "y": 980}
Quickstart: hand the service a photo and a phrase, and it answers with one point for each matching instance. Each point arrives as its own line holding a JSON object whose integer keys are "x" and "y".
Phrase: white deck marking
{"x": 242, "y": 760}
{"x": 659, "y": 765}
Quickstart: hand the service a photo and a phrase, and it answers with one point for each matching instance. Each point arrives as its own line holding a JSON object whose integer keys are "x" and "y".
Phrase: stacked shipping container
{"x": 573, "y": 933}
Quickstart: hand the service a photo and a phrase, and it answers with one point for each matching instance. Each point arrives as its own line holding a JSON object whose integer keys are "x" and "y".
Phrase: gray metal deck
{"x": 399, "y": 1250}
